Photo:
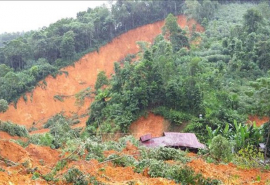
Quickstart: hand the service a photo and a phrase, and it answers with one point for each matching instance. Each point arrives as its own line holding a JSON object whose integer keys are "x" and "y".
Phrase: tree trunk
{"x": 266, "y": 144}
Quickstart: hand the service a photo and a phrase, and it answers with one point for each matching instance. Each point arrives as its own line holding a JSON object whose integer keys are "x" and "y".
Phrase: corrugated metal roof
{"x": 145, "y": 137}
{"x": 175, "y": 139}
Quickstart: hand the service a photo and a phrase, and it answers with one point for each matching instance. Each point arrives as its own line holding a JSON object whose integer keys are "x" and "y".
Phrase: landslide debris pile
{"x": 92, "y": 161}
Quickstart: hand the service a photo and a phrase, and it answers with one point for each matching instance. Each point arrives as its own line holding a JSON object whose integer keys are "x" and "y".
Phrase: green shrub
{"x": 248, "y": 157}
{"x": 49, "y": 177}
{"x": 80, "y": 96}
{"x": 60, "y": 165}
{"x": 14, "y": 129}
{"x": 178, "y": 173}
{"x": 123, "y": 160}
{"x": 20, "y": 142}
{"x": 123, "y": 141}
{"x": 95, "y": 150}
{"x": 164, "y": 153}
{"x": 35, "y": 176}
{"x": 221, "y": 149}
{"x": 75, "y": 176}
{"x": 175, "y": 117}
{"x": 3, "y": 105}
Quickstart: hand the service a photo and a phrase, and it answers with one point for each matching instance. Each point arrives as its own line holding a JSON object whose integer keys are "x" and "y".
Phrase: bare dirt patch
{"x": 151, "y": 124}
{"x": 258, "y": 120}
{"x": 229, "y": 173}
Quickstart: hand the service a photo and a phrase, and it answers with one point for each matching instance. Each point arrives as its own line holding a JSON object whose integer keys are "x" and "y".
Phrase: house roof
{"x": 173, "y": 139}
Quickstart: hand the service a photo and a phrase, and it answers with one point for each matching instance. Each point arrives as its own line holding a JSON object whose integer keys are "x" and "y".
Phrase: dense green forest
{"x": 221, "y": 74}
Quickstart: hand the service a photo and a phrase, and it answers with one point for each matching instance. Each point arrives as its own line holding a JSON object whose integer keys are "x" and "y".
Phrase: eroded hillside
{"x": 42, "y": 103}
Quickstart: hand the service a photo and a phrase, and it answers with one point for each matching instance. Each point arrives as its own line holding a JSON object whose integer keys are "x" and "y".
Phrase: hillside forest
{"x": 210, "y": 82}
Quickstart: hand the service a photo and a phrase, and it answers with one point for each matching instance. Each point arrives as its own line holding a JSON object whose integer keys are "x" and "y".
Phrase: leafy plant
{"x": 178, "y": 173}
{"x": 80, "y": 96}
{"x": 175, "y": 117}
{"x": 14, "y": 129}
{"x": 75, "y": 176}
{"x": 248, "y": 157}
{"x": 123, "y": 160}
{"x": 3, "y": 105}
{"x": 221, "y": 149}
{"x": 35, "y": 175}
{"x": 164, "y": 153}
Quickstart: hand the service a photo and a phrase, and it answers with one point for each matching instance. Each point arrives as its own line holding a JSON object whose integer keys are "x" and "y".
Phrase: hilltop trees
{"x": 67, "y": 46}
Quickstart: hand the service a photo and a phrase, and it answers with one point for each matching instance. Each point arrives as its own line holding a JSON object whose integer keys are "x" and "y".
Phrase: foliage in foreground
{"x": 220, "y": 149}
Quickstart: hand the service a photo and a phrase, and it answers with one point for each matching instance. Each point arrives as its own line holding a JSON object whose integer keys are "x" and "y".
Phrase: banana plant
{"x": 212, "y": 133}
{"x": 246, "y": 134}
{"x": 240, "y": 134}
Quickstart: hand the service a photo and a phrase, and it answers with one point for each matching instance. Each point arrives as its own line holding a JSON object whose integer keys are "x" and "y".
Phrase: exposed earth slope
{"x": 41, "y": 104}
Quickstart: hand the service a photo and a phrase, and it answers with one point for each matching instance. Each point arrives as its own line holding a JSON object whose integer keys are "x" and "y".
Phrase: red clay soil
{"x": 5, "y": 135}
{"x": 45, "y": 154}
{"x": 41, "y": 104}
{"x": 258, "y": 120}
{"x": 13, "y": 151}
{"x": 126, "y": 175}
{"x": 43, "y": 159}
{"x": 107, "y": 173}
{"x": 230, "y": 174}
{"x": 152, "y": 124}
{"x": 20, "y": 161}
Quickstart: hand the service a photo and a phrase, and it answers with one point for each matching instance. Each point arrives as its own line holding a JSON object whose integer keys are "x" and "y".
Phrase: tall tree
{"x": 252, "y": 20}
{"x": 175, "y": 33}
{"x": 17, "y": 53}
{"x": 67, "y": 46}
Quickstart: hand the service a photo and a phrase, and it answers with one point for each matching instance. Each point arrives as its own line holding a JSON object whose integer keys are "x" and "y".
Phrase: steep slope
{"x": 145, "y": 125}
{"x": 41, "y": 104}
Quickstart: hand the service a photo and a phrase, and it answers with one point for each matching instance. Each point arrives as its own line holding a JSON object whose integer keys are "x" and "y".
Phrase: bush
{"x": 175, "y": 117}
{"x": 123, "y": 161}
{"x": 95, "y": 150}
{"x": 163, "y": 153}
{"x": 76, "y": 177}
{"x": 179, "y": 174}
{"x": 14, "y": 129}
{"x": 220, "y": 149}
{"x": 3, "y": 105}
{"x": 248, "y": 157}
